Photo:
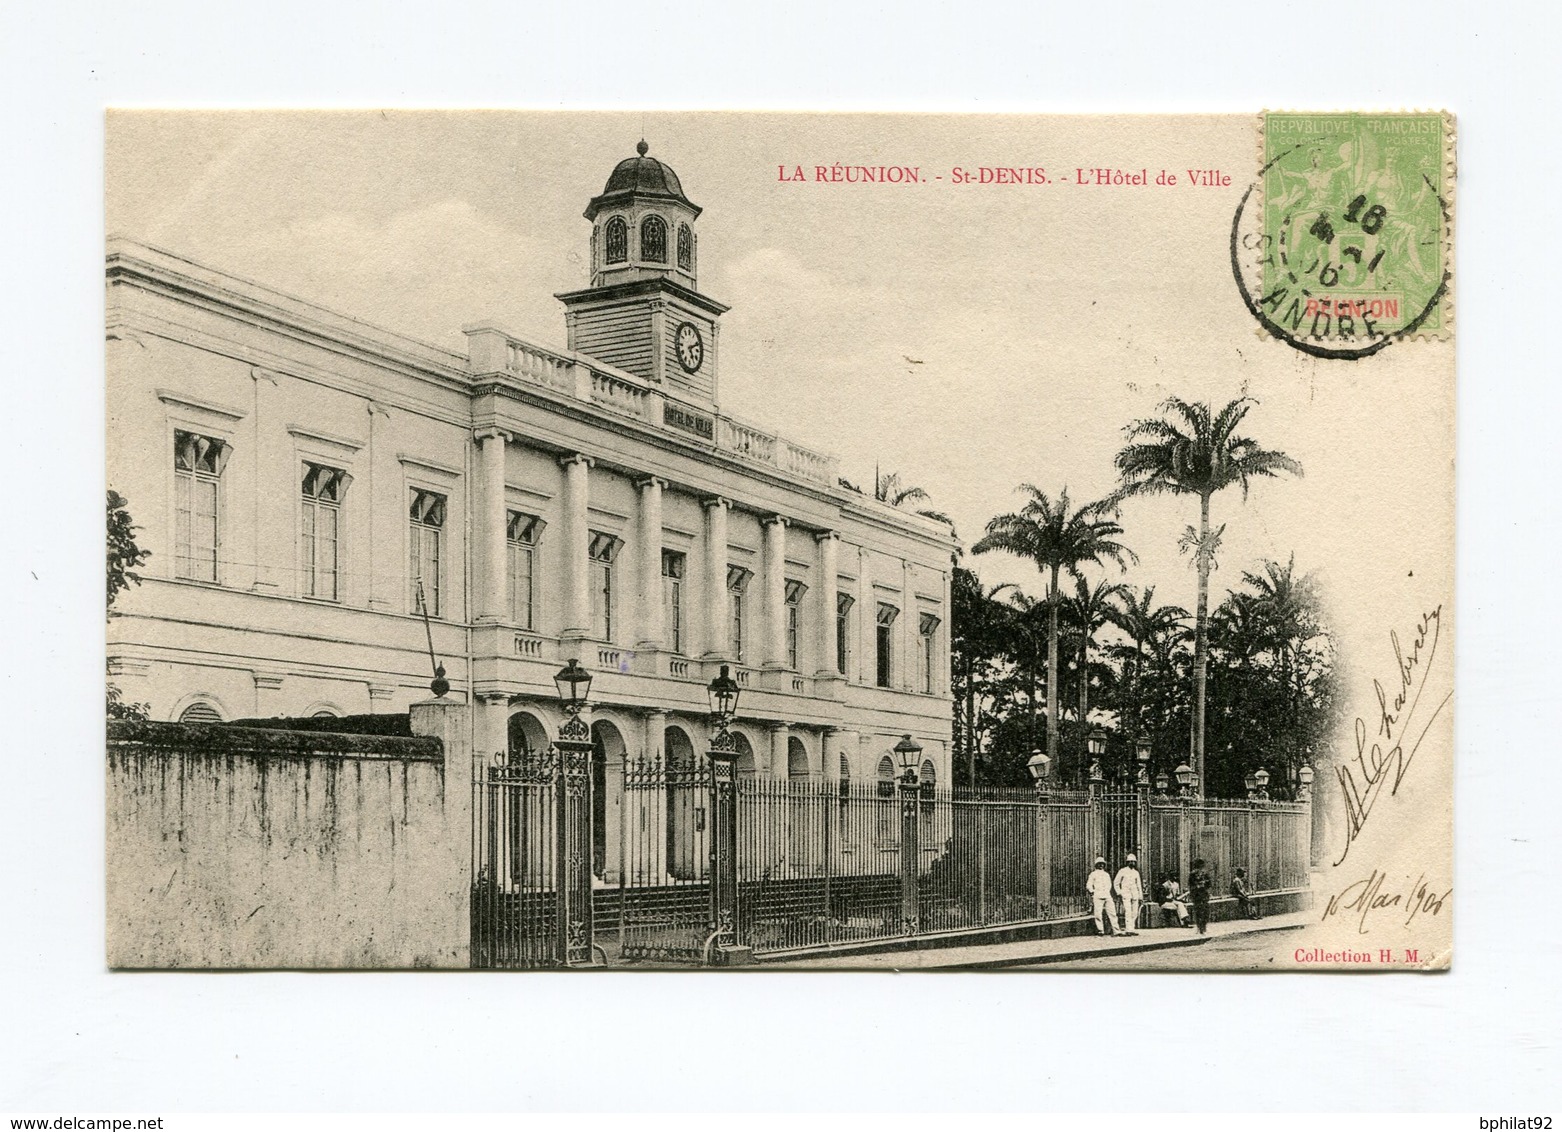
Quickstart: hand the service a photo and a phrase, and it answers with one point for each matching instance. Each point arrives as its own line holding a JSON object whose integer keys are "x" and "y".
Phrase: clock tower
{"x": 644, "y": 312}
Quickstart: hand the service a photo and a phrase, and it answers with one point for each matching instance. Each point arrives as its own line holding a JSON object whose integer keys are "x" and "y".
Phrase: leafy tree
{"x": 979, "y": 646}
{"x": 1088, "y": 609}
{"x": 124, "y": 556}
{"x": 1056, "y": 538}
{"x": 1192, "y": 450}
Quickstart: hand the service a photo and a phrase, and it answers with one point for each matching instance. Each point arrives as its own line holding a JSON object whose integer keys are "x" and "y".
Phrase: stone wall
{"x": 238, "y": 847}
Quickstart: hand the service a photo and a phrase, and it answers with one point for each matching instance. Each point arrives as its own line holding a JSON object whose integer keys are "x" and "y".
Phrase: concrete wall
{"x": 231, "y": 847}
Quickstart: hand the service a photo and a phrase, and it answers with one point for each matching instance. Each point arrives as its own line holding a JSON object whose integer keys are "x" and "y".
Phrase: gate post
{"x": 1043, "y": 852}
{"x": 572, "y": 843}
{"x": 725, "y": 919}
{"x": 910, "y": 853}
{"x": 450, "y": 722}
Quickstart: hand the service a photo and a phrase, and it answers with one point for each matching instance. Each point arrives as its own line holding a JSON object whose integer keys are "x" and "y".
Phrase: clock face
{"x": 691, "y": 347}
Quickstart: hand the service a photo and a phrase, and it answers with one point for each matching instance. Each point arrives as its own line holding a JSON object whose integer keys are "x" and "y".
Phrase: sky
{"x": 969, "y": 337}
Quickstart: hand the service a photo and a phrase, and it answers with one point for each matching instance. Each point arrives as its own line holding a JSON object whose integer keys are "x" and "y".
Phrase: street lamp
{"x": 1184, "y": 774}
{"x": 1161, "y": 783}
{"x": 1261, "y": 779}
{"x": 909, "y": 753}
{"x": 574, "y": 685}
{"x": 1250, "y": 784}
{"x": 1038, "y": 765}
{"x": 723, "y": 692}
{"x": 1095, "y": 744}
{"x": 1142, "y": 757}
{"x": 1304, "y": 777}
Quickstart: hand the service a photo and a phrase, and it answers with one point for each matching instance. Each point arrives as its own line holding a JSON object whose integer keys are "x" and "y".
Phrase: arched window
{"x": 846, "y": 780}
{"x": 886, "y": 777}
{"x": 886, "y": 826}
{"x": 685, "y": 248}
{"x": 200, "y": 712}
{"x": 617, "y": 240}
{"x": 653, "y": 239}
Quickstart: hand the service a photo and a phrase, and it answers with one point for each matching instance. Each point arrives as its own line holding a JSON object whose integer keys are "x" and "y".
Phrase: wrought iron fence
{"x": 820, "y": 863}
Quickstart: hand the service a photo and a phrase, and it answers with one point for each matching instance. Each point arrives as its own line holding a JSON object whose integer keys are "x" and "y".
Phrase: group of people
{"x": 1105, "y": 890}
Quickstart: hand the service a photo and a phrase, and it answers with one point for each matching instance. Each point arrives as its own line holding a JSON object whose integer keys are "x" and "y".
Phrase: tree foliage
{"x": 124, "y": 558}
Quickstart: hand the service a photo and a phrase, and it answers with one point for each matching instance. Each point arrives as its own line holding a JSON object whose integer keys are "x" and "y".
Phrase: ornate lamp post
{"x": 909, "y": 752}
{"x": 1185, "y": 776}
{"x": 1250, "y": 784}
{"x": 1162, "y": 782}
{"x": 1304, "y": 780}
{"x": 572, "y": 823}
{"x": 724, "y": 692}
{"x": 1261, "y": 781}
{"x": 1038, "y": 765}
{"x": 1095, "y": 744}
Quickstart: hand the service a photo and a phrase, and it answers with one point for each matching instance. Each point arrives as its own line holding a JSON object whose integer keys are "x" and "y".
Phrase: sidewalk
{"x": 1036, "y": 951}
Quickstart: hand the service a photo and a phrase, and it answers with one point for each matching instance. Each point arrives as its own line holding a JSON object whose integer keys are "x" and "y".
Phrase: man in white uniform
{"x": 1099, "y": 886}
{"x": 1130, "y": 887}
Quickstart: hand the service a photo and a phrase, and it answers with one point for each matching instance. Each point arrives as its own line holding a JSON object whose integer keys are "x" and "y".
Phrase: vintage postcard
{"x": 783, "y": 541}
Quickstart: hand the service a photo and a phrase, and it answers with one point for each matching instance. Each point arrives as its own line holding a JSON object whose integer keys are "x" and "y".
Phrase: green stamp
{"x": 1353, "y": 229}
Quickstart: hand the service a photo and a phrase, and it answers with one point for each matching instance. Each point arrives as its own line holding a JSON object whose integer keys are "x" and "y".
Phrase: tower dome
{"x": 640, "y": 177}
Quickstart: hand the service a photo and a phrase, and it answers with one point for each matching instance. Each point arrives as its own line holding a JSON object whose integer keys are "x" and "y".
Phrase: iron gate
{"x": 531, "y": 859}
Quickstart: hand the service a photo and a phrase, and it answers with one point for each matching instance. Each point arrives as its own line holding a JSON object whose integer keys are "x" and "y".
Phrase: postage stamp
{"x": 1353, "y": 227}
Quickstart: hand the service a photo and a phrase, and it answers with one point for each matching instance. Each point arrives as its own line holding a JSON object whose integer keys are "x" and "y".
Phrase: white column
{"x": 272, "y": 544}
{"x": 780, "y": 733}
{"x": 775, "y": 592}
{"x": 576, "y": 541}
{"x": 653, "y": 633}
{"x": 652, "y": 805}
{"x": 717, "y": 644}
{"x": 867, "y": 625}
{"x": 911, "y": 626}
{"x": 824, "y": 603}
{"x": 386, "y": 555}
{"x": 489, "y": 542}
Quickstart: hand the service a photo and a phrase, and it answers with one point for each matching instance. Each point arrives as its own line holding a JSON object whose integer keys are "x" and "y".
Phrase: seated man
{"x": 1173, "y": 908}
{"x": 1247, "y": 907}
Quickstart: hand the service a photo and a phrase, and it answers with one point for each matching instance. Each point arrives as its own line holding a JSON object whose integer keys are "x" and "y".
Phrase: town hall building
{"x": 328, "y": 503}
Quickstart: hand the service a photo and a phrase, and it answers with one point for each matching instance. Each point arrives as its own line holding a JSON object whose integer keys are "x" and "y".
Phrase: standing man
{"x": 1130, "y": 886}
{"x": 1199, "y": 884}
{"x": 1099, "y": 886}
{"x": 1244, "y": 893}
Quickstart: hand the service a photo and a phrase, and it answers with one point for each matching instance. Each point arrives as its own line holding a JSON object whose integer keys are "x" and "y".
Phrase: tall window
{"x": 198, "y": 464}
{"x": 521, "y": 533}
{"x": 616, "y": 239}
{"x": 794, "y": 602}
{"x": 843, "y": 636}
{"x": 685, "y": 248}
{"x": 320, "y": 529}
{"x": 673, "y": 567}
{"x": 425, "y": 540}
{"x": 602, "y": 550}
{"x": 737, "y": 586}
{"x": 886, "y": 827}
{"x": 653, "y": 239}
{"x": 927, "y": 638}
{"x": 883, "y": 639}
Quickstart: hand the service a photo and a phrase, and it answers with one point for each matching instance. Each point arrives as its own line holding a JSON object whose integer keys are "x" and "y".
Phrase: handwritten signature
{"x": 1367, "y": 896}
{"x": 1387, "y": 752}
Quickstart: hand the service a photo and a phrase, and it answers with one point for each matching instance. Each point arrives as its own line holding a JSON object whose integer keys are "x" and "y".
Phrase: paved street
{"x": 1230, "y": 943}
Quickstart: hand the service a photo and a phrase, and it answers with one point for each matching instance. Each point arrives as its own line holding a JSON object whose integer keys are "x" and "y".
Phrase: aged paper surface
{"x": 387, "y": 411}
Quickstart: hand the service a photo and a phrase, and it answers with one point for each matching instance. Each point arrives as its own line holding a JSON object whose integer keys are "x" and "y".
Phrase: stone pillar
{"x": 268, "y": 700}
{"x": 910, "y": 626}
{"x": 910, "y": 854}
{"x": 717, "y": 644}
{"x": 645, "y": 810}
{"x": 575, "y": 541}
{"x": 780, "y": 734}
{"x": 867, "y": 623}
{"x": 491, "y": 727}
{"x": 272, "y": 540}
{"x": 774, "y": 592}
{"x": 385, "y": 563}
{"x": 653, "y": 630}
{"x": 450, "y": 722}
{"x": 829, "y": 544}
{"x": 490, "y": 524}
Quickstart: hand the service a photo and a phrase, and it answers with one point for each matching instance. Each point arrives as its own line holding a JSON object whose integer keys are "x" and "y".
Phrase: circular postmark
{"x": 1340, "y": 247}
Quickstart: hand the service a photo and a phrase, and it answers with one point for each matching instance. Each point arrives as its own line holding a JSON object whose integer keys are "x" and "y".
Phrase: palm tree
{"x": 1054, "y": 536}
{"x": 1191, "y": 450}
{"x": 1089, "y": 608}
{"x": 888, "y": 489}
{"x": 1152, "y": 631}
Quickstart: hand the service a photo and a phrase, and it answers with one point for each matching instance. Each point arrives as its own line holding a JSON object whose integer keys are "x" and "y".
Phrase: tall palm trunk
{"x": 970, "y": 720}
{"x": 1052, "y": 670}
{"x": 1084, "y": 678}
{"x": 1201, "y": 642}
